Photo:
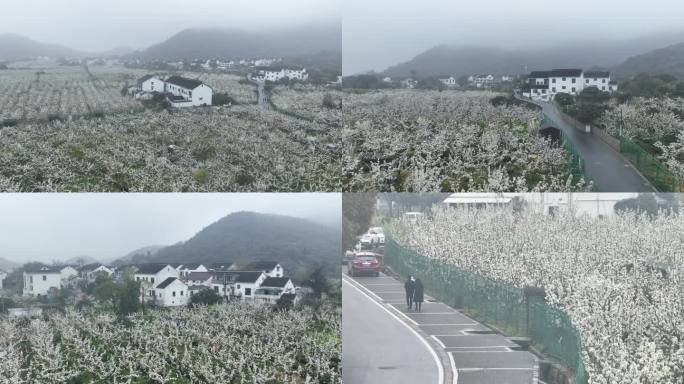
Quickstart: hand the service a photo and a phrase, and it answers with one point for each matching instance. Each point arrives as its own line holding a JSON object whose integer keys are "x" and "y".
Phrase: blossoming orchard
{"x": 235, "y": 343}
{"x": 409, "y": 140}
{"x": 127, "y": 148}
{"x": 619, "y": 278}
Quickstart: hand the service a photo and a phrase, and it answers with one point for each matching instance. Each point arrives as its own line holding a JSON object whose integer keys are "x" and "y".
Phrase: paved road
{"x": 377, "y": 348}
{"x": 469, "y": 351}
{"x": 608, "y": 169}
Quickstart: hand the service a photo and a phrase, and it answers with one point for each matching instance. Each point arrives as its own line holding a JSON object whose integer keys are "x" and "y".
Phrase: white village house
{"x": 264, "y": 74}
{"x": 171, "y": 292}
{"x": 272, "y": 288}
{"x": 40, "y": 281}
{"x": 240, "y": 284}
{"x": 481, "y": 81}
{"x": 448, "y": 81}
{"x": 269, "y": 268}
{"x": 179, "y": 91}
{"x": 186, "y": 269}
{"x": 545, "y": 85}
{"x": 90, "y": 272}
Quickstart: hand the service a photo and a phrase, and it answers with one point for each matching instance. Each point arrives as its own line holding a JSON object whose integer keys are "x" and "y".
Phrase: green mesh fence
{"x": 515, "y": 311}
{"x": 653, "y": 169}
{"x": 575, "y": 162}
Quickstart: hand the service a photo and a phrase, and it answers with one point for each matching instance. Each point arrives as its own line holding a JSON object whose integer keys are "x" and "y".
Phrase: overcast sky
{"x": 47, "y": 227}
{"x": 380, "y": 33}
{"x": 100, "y": 25}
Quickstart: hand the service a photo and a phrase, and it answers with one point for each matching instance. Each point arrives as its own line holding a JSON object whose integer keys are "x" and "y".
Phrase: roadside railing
{"x": 658, "y": 173}
{"x": 514, "y": 311}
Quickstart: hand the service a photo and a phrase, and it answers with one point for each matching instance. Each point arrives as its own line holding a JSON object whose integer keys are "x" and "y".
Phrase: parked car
{"x": 364, "y": 263}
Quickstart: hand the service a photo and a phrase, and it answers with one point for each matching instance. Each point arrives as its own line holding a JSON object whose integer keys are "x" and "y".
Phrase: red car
{"x": 364, "y": 264}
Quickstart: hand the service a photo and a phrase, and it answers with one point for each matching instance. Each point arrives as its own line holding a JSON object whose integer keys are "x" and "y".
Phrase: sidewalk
{"x": 475, "y": 354}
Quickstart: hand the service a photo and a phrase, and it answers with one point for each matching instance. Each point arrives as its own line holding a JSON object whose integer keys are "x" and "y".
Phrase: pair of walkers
{"x": 414, "y": 293}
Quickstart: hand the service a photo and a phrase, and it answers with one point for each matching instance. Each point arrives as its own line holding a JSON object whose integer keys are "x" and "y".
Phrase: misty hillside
{"x": 217, "y": 42}
{"x": 138, "y": 255}
{"x": 464, "y": 60}
{"x": 244, "y": 236}
{"x": 7, "y": 265}
{"x": 15, "y": 47}
{"x": 668, "y": 60}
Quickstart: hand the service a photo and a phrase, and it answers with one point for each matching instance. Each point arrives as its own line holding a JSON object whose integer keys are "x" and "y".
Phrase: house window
{"x": 604, "y": 87}
{"x": 160, "y": 295}
{"x": 543, "y": 90}
{"x": 553, "y": 81}
{"x": 604, "y": 81}
{"x": 216, "y": 288}
{"x": 564, "y": 79}
{"x": 44, "y": 278}
{"x": 31, "y": 279}
{"x": 181, "y": 293}
{"x": 586, "y": 81}
{"x": 238, "y": 286}
{"x": 573, "y": 89}
{"x": 173, "y": 293}
{"x": 248, "y": 291}
{"x": 553, "y": 89}
{"x": 574, "y": 80}
{"x": 152, "y": 280}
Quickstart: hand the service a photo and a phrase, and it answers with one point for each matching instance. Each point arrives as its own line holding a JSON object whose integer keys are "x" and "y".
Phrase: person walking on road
{"x": 418, "y": 294}
{"x": 409, "y": 287}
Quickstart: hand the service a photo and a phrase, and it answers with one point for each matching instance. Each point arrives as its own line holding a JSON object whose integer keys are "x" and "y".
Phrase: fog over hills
{"x": 462, "y": 60}
{"x": 14, "y": 47}
{"x": 669, "y": 60}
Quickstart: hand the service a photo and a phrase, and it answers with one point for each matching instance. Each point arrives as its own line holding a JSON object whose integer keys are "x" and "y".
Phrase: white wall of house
{"x": 153, "y": 84}
{"x": 184, "y": 270}
{"x": 149, "y": 281}
{"x": 40, "y": 283}
{"x": 277, "y": 271}
{"x": 602, "y": 83}
{"x": 68, "y": 272}
{"x": 101, "y": 270}
{"x": 202, "y": 95}
{"x": 246, "y": 290}
{"x": 173, "y": 295}
{"x": 449, "y": 81}
{"x": 568, "y": 84}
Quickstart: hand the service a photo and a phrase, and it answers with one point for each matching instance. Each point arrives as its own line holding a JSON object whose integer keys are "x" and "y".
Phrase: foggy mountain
{"x": 245, "y": 236}
{"x": 462, "y": 60}
{"x": 219, "y": 42}
{"x": 138, "y": 255}
{"x": 7, "y": 265}
{"x": 16, "y": 47}
{"x": 668, "y": 60}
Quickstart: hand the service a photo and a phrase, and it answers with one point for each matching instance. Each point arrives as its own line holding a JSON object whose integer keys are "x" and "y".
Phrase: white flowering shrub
{"x": 621, "y": 279}
{"x": 38, "y": 93}
{"x": 402, "y": 140}
{"x": 307, "y": 101}
{"x": 237, "y": 343}
{"x": 238, "y": 148}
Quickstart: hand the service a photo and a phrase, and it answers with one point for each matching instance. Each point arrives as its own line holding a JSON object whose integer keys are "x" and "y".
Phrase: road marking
{"x": 494, "y": 369}
{"x": 439, "y": 341}
{"x": 453, "y": 367}
{"x": 440, "y": 367}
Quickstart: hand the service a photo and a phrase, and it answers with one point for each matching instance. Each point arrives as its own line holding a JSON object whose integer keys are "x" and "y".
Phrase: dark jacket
{"x": 418, "y": 291}
{"x": 410, "y": 287}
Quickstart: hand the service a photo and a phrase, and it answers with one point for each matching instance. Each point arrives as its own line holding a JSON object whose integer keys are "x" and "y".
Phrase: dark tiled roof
{"x": 197, "y": 276}
{"x": 166, "y": 282}
{"x": 254, "y": 266}
{"x": 565, "y": 72}
{"x": 149, "y": 269}
{"x": 596, "y": 74}
{"x": 275, "y": 282}
{"x": 539, "y": 74}
{"x": 183, "y": 82}
{"x": 191, "y": 266}
{"x": 176, "y": 98}
{"x": 236, "y": 277}
{"x": 145, "y": 78}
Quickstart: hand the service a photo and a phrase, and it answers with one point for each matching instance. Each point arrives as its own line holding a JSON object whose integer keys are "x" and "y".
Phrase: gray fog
{"x": 380, "y": 33}
{"x": 49, "y": 227}
{"x": 97, "y": 26}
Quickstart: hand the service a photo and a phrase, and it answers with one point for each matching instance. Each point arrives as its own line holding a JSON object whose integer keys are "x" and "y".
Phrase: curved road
{"x": 377, "y": 347}
{"x": 607, "y": 168}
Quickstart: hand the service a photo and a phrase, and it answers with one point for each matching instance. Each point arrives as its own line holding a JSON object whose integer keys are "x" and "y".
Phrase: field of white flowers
{"x": 620, "y": 279}
{"x": 238, "y": 148}
{"x": 659, "y": 121}
{"x": 413, "y": 140}
{"x": 235, "y": 343}
{"x": 307, "y": 101}
{"x": 38, "y": 93}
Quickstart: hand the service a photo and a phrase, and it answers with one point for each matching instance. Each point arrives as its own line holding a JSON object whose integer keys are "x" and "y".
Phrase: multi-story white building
{"x": 240, "y": 284}
{"x": 179, "y": 91}
{"x": 448, "y": 81}
{"x": 481, "y": 81}
{"x": 275, "y": 74}
{"x": 273, "y": 288}
{"x": 151, "y": 275}
{"x": 171, "y": 292}
{"x": 545, "y": 85}
{"x": 40, "y": 281}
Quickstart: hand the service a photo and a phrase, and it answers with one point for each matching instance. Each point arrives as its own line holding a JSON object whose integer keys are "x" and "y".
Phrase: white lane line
{"x": 453, "y": 368}
{"x": 482, "y": 347}
{"x": 440, "y": 367}
{"x": 494, "y": 369}
{"x": 439, "y": 341}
